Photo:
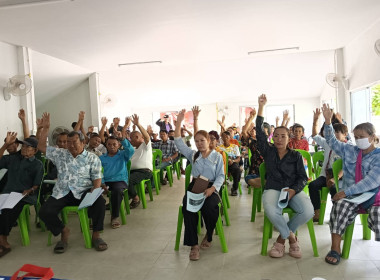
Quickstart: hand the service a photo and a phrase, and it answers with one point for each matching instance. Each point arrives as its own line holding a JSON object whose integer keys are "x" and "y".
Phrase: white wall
{"x": 64, "y": 108}
{"x": 8, "y": 109}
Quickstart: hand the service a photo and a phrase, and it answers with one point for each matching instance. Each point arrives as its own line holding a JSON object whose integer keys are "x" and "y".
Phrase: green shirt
{"x": 23, "y": 173}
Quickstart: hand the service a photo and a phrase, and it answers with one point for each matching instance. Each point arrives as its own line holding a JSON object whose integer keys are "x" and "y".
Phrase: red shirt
{"x": 299, "y": 144}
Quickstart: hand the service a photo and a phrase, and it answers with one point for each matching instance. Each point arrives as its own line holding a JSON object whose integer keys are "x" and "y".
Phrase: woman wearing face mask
{"x": 361, "y": 168}
{"x": 207, "y": 163}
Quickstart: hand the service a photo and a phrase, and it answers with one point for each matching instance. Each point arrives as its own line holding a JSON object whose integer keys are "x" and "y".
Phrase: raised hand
{"x": 285, "y": 115}
{"x": 39, "y": 123}
{"x": 135, "y": 119}
{"x": 180, "y": 116}
{"x": 262, "y": 100}
{"x": 253, "y": 112}
{"x": 104, "y": 121}
{"x": 46, "y": 120}
{"x": 11, "y": 137}
{"x": 316, "y": 115}
{"x": 277, "y": 119}
{"x": 196, "y": 111}
{"x": 339, "y": 117}
{"x": 117, "y": 134}
{"x": 21, "y": 114}
{"x": 223, "y": 118}
{"x": 127, "y": 121}
{"x": 327, "y": 113}
{"x": 81, "y": 116}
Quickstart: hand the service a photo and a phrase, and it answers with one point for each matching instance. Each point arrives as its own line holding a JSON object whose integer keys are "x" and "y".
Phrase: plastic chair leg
{"x": 266, "y": 235}
{"x": 222, "y": 238}
{"x": 83, "y": 218}
{"x": 123, "y": 216}
{"x": 240, "y": 191}
{"x": 259, "y": 202}
{"x": 149, "y": 186}
{"x": 156, "y": 182}
{"x": 23, "y": 225}
{"x": 199, "y": 222}
{"x": 347, "y": 241}
{"x": 179, "y": 229}
{"x": 141, "y": 193}
{"x": 225, "y": 210}
{"x": 313, "y": 240}
{"x": 249, "y": 189}
{"x": 178, "y": 170}
{"x": 322, "y": 210}
{"x": 226, "y": 195}
{"x": 366, "y": 229}
{"x": 126, "y": 202}
{"x": 255, "y": 201}
{"x": 169, "y": 172}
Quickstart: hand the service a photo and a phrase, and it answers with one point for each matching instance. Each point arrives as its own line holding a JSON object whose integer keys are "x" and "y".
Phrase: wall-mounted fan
{"x": 377, "y": 47}
{"x": 18, "y": 85}
{"x": 335, "y": 81}
{"x": 56, "y": 131}
{"x": 108, "y": 100}
{"x": 223, "y": 110}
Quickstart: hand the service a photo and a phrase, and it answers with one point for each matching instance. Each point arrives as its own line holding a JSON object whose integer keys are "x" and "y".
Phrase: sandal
{"x": 194, "y": 253}
{"x": 205, "y": 244}
{"x": 134, "y": 204}
{"x": 115, "y": 223}
{"x": 335, "y": 255}
{"x": 4, "y": 251}
{"x": 61, "y": 247}
{"x": 99, "y": 244}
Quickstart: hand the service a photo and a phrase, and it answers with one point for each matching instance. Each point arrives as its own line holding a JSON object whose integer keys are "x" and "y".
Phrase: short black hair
{"x": 112, "y": 138}
{"x": 63, "y": 133}
{"x": 171, "y": 130}
{"x": 73, "y": 124}
{"x": 94, "y": 134}
{"x": 227, "y": 133}
{"x": 340, "y": 127}
{"x": 164, "y": 131}
{"x": 297, "y": 125}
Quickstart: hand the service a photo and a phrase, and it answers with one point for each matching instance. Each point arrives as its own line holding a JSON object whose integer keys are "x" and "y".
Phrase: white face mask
{"x": 363, "y": 143}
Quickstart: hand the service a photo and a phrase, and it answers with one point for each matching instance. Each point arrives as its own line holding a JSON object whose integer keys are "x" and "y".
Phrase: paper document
{"x": 195, "y": 201}
{"x": 2, "y": 172}
{"x": 360, "y": 198}
{"x": 90, "y": 198}
{"x": 9, "y": 200}
{"x": 283, "y": 198}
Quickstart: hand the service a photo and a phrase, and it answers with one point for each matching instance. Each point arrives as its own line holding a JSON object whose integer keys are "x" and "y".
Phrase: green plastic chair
{"x": 246, "y": 171}
{"x": 24, "y": 225}
{"x": 122, "y": 210}
{"x": 218, "y": 230}
{"x": 257, "y": 193}
{"x": 155, "y": 171}
{"x": 318, "y": 157}
{"x": 230, "y": 178}
{"x": 306, "y": 155}
{"x": 337, "y": 166}
{"x": 177, "y": 168}
{"x": 268, "y": 227}
{"x": 169, "y": 168}
{"x": 140, "y": 188}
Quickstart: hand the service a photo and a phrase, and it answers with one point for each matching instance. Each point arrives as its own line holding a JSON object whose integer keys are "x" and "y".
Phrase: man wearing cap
{"x": 79, "y": 172}
{"x": 25, "y": 173}
{"x": 164, "y": 124}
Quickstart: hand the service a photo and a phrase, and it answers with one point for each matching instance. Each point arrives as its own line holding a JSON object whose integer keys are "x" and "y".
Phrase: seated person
{"x": 297, "y": 142}
{"x": 361, "y": 168}
{"x": 115, "y": 173}
{"x": 171, "y": 134}
{"x": 233, "y": 160}
{"x": 208, "y": 163}
{"x": 326, "y": 178}
{"x": 25, "y": 173}
{"x": 284, "y": 169}
{"x": 78, "y": 173}
{"x": 141, "y": 161}
{"x": 232, "y": 135}
{"x": 164, "y": 123}
{"x": 95, "y": 145}
{"x": 169, "y": 151}
{"x": 115, "y": 126}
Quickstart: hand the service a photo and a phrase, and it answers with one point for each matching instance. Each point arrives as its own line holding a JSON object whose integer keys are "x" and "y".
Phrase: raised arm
{"x": 285, "y": 116}
{"x": 103, "y": 128}
{"x": 136, "y": 122}
{"x": 188, "y": 131}
{"x": 196, "y": 112}
{"x": 180, "y": 118}
{"x": 39, "y": 128}
{"x": 44, "y": 133}
{"x": 317, "y": 113}
{"x": 247, "y": 125}
{"x": 262, "y": 140}
{"x": 127, "y": 124}
{"x": 25, "y": 127}
{"x": 11, "y": 137}
{"x": 335, "y": 144}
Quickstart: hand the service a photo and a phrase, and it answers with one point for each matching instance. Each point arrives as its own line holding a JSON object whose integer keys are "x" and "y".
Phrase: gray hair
{"x": 80, "y": 135}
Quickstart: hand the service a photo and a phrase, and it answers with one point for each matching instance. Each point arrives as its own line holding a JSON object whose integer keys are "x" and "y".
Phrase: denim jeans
{"x": 300, "y": 203}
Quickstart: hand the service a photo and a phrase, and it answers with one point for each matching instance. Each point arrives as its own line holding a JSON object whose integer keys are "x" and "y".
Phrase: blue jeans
{"x": 300, "y": 203}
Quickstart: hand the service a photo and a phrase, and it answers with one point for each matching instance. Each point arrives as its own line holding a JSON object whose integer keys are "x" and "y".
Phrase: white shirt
{"x": 142, "y": 158}
{"x": 333, "y": 157}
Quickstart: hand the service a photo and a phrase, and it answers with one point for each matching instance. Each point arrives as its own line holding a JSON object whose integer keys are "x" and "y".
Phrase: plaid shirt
{"x": 168, "y": 148}
{"x": 349, "y": 155}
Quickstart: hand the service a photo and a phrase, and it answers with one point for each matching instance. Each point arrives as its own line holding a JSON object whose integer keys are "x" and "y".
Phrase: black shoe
{"x": 233, "y": 192}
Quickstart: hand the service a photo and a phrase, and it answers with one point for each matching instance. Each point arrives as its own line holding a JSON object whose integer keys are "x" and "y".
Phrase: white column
{"x": 93, "y": 82}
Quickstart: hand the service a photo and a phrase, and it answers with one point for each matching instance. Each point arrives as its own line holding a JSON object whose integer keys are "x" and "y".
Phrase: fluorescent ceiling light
{"x": 274, "y": 50}
{"x": 23, "y": 3}
{"x": 143, "y": 62}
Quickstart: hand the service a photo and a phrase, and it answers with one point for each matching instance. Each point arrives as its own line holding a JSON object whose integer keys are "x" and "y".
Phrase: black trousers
{"x": 314, "y": 188}
{"x": 50, "y": 210}
{"x": 210, "y": 214}
{"x": 8, "y": 217}
{"x": 235, "y": 171}
{"x": 135, "y": 177}
{"x": 117, "y": 195}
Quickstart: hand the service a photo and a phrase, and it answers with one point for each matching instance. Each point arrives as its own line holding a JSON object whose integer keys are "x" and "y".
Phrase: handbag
{"x": 43, "y": 273}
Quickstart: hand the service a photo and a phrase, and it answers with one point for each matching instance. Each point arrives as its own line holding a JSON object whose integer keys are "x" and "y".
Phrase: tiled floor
{"x": 144, "y": 249}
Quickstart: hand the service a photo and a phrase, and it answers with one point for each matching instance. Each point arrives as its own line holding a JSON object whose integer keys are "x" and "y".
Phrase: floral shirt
{"x": 299, "y": 144}
{"x": 232, "y": 150}
{"x": 256, "y": 157}
{"x": 74, "y": 174}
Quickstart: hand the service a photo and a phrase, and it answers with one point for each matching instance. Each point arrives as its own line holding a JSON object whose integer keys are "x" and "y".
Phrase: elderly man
{"x": 78, "y": 173}
{"x": 169, "y": 151}
{"x": 141, "y": 162}
{"x": 24, "y": 176}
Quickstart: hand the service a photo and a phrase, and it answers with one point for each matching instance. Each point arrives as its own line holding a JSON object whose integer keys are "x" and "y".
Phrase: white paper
{"x": 9, "y": 200}
{"x": 90, "y": 198}
{"x": 2, "y": 172}
{"x": 283, "y": 199}
{"x": 195, "y": 201}
{"x": 360, "y": 198}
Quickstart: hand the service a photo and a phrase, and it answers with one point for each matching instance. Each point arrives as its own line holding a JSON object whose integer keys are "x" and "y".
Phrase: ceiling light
{"x": 274, "y": 50}
{"x": 142, "y": 62}
{"x": 23, "y": 3}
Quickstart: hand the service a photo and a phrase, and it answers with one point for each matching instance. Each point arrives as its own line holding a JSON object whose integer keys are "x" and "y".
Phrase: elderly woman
{"x": 285, "y": 171}
{"x": 361, "y": 168}
{"x": 209, "y": 164}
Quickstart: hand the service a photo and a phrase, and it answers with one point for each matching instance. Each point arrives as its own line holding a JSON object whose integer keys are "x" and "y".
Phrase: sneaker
{"x": 277, "y": 250}
{"x": 233, "y": 192}
{"x": 295, "y": 249}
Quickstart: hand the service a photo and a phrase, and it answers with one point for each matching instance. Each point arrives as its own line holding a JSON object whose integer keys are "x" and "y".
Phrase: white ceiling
{"x": 186, "y": 35}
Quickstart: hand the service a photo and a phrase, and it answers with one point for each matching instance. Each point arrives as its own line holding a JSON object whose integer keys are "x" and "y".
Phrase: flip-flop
{"x": 97, "y": 243}
{"x": 205, "y": 244}
{"x": 115, "y": 223}
{"x": 335, "y": 255}
{"x": 4, "y": 251}
{"x": 60, "y": 247}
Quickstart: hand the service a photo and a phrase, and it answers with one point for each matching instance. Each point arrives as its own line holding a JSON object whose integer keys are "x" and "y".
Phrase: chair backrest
{"x": 157, "y": 153}
{"x": 262, "y": 171}
{"x": 249, "y": 157}
{"x": 226, "y": 171}
{"x": 318, "y": 157}
{"x": 187, "y": 176}
{"x": 337, "y": 167}
{"x": 306, "y": 155}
